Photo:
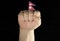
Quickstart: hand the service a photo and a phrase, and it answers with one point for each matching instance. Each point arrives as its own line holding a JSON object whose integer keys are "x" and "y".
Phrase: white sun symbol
{"x": 30, "y": 7}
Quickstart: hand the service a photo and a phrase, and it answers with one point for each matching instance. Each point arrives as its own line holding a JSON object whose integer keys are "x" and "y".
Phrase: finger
{"x": 30, "y": 15}
{"x": 26, "y": 15}
{"x": 20, "y": 13}
{"x": 37, "y": 14}
{"x": 20, "y": 16}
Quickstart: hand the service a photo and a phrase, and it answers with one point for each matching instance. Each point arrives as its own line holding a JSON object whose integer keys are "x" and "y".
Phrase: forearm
{"x": 26, "y": 35}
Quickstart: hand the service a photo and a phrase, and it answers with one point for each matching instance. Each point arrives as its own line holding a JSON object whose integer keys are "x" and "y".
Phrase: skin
{"x": 28, "y": 22}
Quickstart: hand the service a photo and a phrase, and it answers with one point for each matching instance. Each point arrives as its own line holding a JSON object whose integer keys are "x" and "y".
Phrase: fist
{"x": 29, "y": 20}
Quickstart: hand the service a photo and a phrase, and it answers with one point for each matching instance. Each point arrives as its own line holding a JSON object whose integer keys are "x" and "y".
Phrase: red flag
{"x": 30, "y": 7}
{"x": 31, "y": 4}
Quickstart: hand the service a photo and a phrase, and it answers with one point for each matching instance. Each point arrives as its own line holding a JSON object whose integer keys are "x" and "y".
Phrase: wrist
{"x": 27, "y": 35}
{"x": 26, "y": 31}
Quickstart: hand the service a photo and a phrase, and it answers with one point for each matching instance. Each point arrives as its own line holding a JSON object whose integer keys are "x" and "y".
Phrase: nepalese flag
{"x": 30, "y": 7}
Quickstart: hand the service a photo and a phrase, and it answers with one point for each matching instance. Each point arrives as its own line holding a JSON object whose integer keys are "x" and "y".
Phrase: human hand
{"x": 29, "y": 20}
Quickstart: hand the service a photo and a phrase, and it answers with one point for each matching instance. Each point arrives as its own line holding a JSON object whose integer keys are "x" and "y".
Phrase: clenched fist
{"x": 29, "y": 19}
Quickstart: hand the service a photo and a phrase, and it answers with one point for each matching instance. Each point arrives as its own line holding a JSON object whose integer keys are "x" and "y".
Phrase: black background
{"x": 49, "y": 29}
